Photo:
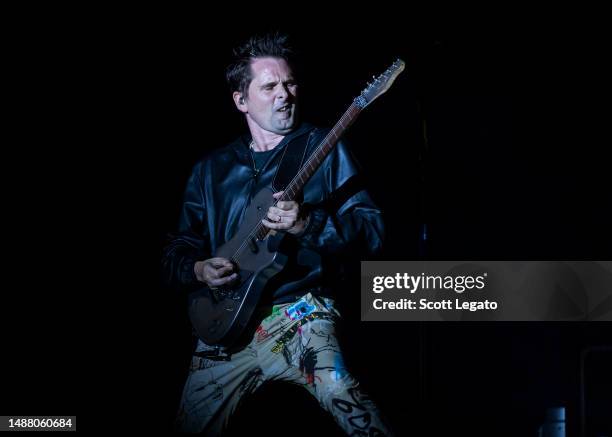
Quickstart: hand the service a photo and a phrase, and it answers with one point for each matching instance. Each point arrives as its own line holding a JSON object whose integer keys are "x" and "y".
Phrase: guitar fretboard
{"x": 315, "y": 160}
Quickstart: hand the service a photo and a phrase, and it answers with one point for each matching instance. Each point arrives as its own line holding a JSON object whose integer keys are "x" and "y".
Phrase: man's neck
{"x": 263, "y": 140}
{"x": 263, "y": 144}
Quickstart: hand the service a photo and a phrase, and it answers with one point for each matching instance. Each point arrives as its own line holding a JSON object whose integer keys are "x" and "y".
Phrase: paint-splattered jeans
{"x": 295, "y": 343}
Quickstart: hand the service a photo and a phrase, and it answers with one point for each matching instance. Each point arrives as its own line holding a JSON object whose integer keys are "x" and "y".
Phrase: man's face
{"x": 271, "y": 100}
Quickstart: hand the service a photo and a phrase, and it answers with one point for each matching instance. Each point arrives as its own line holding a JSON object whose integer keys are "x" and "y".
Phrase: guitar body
{"x": 219, "y": 316}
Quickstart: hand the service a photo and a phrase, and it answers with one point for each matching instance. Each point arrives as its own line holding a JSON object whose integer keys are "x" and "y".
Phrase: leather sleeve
{"x": 191, "y": 242}
{"x": 347, "y": 219}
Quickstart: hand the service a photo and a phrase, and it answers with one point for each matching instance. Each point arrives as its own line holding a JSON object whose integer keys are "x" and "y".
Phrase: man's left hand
{"x": 285, "y": 216}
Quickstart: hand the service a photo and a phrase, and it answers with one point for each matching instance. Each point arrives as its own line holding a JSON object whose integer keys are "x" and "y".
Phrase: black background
{"x": 113, "y": 108}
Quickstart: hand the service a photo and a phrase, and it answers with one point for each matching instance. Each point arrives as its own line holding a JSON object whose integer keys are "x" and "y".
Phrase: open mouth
{"x": 284, "y": 108}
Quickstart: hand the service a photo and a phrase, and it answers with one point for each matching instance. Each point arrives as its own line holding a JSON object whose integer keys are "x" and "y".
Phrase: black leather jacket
{"x": 343, "y": 218}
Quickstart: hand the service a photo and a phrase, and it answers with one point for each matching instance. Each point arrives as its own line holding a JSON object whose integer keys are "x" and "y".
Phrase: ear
{"x": 239, "y": 101}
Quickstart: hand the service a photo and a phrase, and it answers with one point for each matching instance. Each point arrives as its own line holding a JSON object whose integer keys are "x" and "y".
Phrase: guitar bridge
{"x": 219, "y": 294}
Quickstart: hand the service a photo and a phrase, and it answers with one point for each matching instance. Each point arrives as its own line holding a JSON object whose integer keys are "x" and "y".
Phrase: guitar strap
{"x": 291, "y": 161}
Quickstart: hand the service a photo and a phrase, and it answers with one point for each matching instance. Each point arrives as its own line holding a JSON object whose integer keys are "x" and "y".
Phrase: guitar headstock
{"x": 380, "y": 84}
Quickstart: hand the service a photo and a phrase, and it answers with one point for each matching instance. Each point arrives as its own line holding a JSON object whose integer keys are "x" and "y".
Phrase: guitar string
{"x": 348, "y": 113}
{"x": 259, "y": 226}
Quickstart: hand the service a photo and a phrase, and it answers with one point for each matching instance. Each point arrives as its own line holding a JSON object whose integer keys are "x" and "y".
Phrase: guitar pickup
{"x": 253, "y": 245}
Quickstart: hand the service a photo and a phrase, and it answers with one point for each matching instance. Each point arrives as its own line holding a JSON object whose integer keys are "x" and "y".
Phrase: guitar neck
{"x": 368, "y": 95}
{"x": 318, "y": 156}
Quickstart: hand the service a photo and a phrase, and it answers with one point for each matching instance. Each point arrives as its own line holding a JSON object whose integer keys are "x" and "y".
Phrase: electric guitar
{"x": 220, "y": 315}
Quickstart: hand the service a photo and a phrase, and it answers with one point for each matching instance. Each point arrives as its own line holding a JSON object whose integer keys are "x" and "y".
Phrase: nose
{"x": 283, "y": 92}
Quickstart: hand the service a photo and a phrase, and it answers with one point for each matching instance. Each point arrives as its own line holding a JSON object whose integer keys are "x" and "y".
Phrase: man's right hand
{"x": 215, "y": 272}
